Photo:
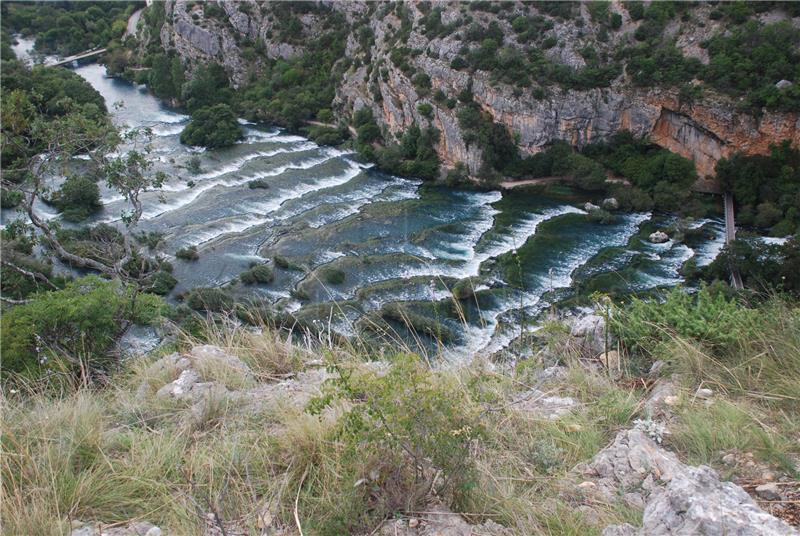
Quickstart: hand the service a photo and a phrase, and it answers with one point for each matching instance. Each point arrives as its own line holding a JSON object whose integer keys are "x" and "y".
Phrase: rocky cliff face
{"x": 704, "y": 130}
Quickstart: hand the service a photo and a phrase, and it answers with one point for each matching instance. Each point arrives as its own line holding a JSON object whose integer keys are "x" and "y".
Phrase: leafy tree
{"x": 213, "y": 127}
{"x": 73, "y": 328}
{"x": 78, "y": 198}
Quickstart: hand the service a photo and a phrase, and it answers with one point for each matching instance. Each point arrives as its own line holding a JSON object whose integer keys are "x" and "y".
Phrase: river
{"x": 396, "y": 240}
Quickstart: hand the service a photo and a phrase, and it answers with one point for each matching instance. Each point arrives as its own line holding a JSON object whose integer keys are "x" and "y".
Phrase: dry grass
{"x": 120, "y": 453}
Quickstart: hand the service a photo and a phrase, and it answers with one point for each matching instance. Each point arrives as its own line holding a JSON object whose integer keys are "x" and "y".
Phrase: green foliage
{"x": 208, "y": 87}
{"x": 40, "y": 94}
{"x": 293, "y": 91}
{"x": 748, "y": 61}
{"x": 766, "y": 188}
{"x": 10, "y": 198}
{"x": 425, "y": 109}
{"x": 58, "y": 330}
{"x": 763, "y": 267}
{"x": 332, "y": 276}
{"x": 188, "y": 253}
{"x": 708, "y": 317}
{"x": 66, "y": 28}
{"x": 213, "y": 300}
{"x": 329, "y": 136}
{"x": 414, "y": 156}
{"x": 215, "y": 126}
{"x": 161, "y": 283}
{"x": 166, "y": 78}
{"x": 258, "y": 274}
{"x": 257, "y": 184}
{"x": 666, "y": 178}
{"x": 412, "y": 424}
{"x": 77, "y": 199}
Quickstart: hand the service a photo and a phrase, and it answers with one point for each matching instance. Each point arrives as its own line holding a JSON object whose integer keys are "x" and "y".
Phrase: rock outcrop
{"x": 678, "y": 499}
{"x": 704, "y": 130}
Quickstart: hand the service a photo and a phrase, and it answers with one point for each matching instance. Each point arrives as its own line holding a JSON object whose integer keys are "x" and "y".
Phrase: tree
{"x": 214, "y": 126}
{"x": 75, "y": 133}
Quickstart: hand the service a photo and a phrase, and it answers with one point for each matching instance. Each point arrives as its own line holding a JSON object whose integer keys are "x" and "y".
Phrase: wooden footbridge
{"x": 730, "y": 236}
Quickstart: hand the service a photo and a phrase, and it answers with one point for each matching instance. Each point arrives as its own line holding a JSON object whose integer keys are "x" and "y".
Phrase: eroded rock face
{"x": 704, "y": 130}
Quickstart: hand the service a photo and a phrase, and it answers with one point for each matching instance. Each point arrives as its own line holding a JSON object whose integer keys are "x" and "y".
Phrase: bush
{"x": 258, "y": 274}
{"x": 257, "y": 184}
{"x": 77, "y": 199}
{"x": 708, "y": 317}
{"x": 161, "y": 283}
{"x": 425, "y": 109}
{"x": 213, "y": 300}
{"x": 410, "y": 425}
{"x": 63, "y": 329}
{"x": 10, "y": 198}
{"x": 285, "y": 264}
{"x": 188, "y": 253}
{"x": 332, "y": 276}
{"x": 213, "y": 127}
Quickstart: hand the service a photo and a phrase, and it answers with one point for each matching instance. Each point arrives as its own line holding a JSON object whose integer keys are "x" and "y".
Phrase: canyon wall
{"x": 704, "y": 130}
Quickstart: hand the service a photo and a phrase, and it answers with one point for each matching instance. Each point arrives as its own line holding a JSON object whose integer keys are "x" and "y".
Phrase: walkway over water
{"x": 730, "y": 236}
{"x": 77, "y": 57}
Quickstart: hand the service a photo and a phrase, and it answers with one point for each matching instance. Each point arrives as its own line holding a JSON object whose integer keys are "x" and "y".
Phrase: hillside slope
{"x": 545, "y": 71}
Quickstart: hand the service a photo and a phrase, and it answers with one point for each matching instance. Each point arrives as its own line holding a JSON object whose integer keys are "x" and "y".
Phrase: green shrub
{"x": 425, "y": 109}
{"x": 77, "y": 199}
{"x": 332, "y": 276}
{"x": 188, "y": 253}
{"x": 10, "y": 198}
{"x": 258, "y": 274}
{"x": 258, "y": 184}
{"x": 213, "y": 300}
{"x": 59, "y": 330}
{"x": 708, "y": 317}
{"x": 212, "y": 127}
{"x": 161, "y": 283}
{"x": 409, "y": 425}
{"x": 285, "y": 264}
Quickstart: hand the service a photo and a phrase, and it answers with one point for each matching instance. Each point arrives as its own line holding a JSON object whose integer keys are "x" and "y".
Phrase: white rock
{"x": 783, "y": 84}
{"x": 610, "y": 203}
{"x": 590, "y": 207}
{"x": 659, "y": 237}
{"x": 704, "y": 393}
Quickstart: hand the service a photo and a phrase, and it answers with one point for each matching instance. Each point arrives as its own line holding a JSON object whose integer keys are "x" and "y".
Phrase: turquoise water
{"x": 397, "y": 241}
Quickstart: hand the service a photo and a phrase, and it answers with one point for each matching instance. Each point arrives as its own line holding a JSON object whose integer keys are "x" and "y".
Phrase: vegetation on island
{"x": 213, "y": 127}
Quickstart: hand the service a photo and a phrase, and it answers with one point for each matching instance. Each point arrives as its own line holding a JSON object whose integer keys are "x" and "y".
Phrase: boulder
{"x": 590, "y": 207}
{"x": 610, "y": 203}
{"x": 589, "y": 332}
{"x": 680, "y": 499}
{"x": 783, "y": 84}
{"x": 701, "y": 504}
{"x": 659, "y": 237}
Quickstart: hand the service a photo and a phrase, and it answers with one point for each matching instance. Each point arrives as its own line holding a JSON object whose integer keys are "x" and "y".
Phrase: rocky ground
{"x": 635, "y": 471}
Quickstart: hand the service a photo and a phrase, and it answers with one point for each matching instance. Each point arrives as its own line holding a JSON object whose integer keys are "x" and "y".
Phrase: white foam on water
{"x": 710, "y": 250}
{"x": 257, "y": 212}
{"x": 198, "y": 189}
{"x": 170, "y": 129}
{"x": 486, "y": 339}
{"x": 240, "y": 162}
{"x": 774, "y": 240}
{"x": 244, "y": 121}
{"x": 171, "y": 117}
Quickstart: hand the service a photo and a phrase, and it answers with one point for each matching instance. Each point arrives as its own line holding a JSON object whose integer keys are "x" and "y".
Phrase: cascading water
{"x": 396, "y": 240}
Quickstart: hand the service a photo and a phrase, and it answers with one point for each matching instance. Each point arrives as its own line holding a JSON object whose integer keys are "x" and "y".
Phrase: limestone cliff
{"x": 704, "y": 130}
